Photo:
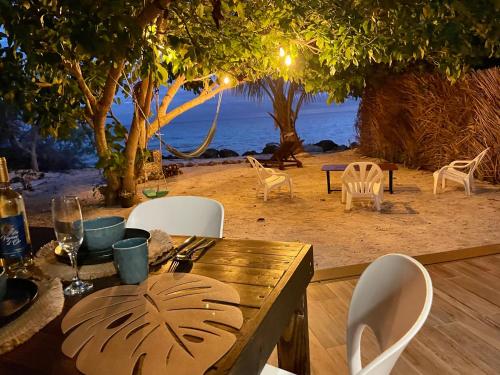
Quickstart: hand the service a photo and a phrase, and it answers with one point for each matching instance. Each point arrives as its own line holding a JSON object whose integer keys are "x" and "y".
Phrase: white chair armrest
{"x": 275, "y": 172}
{"x": 461, "y": 163}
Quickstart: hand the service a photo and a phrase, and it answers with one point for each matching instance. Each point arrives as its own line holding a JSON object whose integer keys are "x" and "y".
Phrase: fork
{"x": 186, "y": 255}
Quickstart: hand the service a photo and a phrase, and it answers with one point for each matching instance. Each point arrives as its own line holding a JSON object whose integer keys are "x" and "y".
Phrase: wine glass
{"x": 68, "y": 227}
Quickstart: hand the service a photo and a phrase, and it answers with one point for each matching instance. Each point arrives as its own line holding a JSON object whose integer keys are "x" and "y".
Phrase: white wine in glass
{"x": 68, "y": 227}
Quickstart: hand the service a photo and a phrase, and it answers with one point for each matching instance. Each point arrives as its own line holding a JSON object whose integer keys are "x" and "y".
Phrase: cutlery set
{"x": 185, "y": 252}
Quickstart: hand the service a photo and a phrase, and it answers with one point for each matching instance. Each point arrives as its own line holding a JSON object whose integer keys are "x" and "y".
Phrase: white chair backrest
{"x": 393, "y": 297}
{"x": 477, "y": 160}
{"x": 259, "y": 168}
{"x": 180, "y": 215}
{"x": 361, "y": 176}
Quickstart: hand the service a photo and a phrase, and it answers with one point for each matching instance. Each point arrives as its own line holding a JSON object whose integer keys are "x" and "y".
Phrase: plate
{"x": 21, "y": 294}
{"x": 86, "y": 257}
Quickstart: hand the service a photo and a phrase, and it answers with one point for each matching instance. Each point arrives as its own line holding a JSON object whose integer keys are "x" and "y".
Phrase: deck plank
{"x": 461, "y": 335}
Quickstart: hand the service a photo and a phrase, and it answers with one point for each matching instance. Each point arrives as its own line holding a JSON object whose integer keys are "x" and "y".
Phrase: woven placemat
{"x": 48, "y": 305}
{"x": 47, "y": 261}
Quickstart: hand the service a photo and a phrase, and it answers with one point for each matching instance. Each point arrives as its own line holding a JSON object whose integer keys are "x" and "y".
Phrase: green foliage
{"x": 343, "y": 44}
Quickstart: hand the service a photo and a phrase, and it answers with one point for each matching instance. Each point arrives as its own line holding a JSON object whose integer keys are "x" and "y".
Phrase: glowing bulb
{"x": 226, "y": 80}
{"x": 288, "y": 60}
{"x": 282, "y": 52}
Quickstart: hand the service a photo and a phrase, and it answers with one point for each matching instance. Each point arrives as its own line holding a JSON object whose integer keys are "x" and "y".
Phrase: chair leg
{"x": 291, "y": 187}
{"x": 343, "y": 194}
{"x": 467, "y": 187}
{"x": 443, "y": 182}
{"x": 377, "y": 203}
{"x": 348, "y": 205}
{"x": 265, "y": 194}
{"x": 436, "y": 182}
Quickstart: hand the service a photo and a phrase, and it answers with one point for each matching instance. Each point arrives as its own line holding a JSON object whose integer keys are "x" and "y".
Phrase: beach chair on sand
{"x": 269, "y": 179}
{"x": 461, "y": 171}
{"x": 363, "y": 180}
{"x": 283, "y": 157}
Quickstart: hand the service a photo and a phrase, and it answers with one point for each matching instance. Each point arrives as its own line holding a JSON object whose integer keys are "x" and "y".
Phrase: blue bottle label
{"x": 12, "y": 237}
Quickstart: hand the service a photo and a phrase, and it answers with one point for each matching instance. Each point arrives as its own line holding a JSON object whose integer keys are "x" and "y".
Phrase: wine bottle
{"x": 15, "y": 243}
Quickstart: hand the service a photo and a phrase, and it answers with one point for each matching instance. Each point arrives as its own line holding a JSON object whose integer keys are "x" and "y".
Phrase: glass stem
{"x": 72, "y": 258}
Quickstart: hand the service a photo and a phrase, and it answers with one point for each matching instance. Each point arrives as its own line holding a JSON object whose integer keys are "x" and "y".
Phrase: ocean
{"x": 244, "y": 124}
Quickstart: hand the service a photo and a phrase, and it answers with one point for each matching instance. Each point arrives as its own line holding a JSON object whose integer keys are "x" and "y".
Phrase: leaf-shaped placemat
{"x": 172, "y": 323}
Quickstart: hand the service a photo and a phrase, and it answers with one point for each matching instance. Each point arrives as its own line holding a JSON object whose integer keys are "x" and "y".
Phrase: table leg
{"x": 328, "y": 182}
{"x": 390, "y": 182}
{"x": 293, "y": 346}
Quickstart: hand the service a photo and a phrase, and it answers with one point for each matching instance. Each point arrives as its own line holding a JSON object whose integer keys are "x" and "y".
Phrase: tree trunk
{"x": 282, "y": 97}
{"x": 142, "y": 105}
{"x": 33, "y": 153}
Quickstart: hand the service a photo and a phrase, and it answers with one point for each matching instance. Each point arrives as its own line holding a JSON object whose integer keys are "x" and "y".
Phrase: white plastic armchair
{"x": 393, "y": 297}
{"x": 461, "y": 171}
{"x": 181, "y": 215}
{"x": 363, "y": 180}
{"x": 269, "y": 178}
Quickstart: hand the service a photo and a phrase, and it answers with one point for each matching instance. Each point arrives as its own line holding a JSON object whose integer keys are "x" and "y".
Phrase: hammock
{"x": 203, "y": 147}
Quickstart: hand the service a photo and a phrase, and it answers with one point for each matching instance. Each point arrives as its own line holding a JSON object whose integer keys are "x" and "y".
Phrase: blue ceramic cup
{"x": 131, "y": 259}
{"x": 3, "y": 283}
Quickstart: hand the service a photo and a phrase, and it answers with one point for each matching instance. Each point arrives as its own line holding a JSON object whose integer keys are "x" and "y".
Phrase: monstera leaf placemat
{"x": 172, "y": 323}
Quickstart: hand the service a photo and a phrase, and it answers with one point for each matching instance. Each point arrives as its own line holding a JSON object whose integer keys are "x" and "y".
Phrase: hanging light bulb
{"x": 226, "y": 80}
{"x": 282, "y": 52}
{"x": 288, "y": 60}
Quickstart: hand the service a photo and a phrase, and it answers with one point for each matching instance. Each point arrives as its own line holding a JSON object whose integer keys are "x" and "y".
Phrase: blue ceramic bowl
{"x": 101, "y": 233}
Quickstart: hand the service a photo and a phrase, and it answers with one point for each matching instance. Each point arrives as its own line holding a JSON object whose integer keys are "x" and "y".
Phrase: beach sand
{"x": 412, "y": 221}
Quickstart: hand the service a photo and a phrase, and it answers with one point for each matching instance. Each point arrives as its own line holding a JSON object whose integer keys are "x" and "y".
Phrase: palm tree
{"x": 287, "y": 98}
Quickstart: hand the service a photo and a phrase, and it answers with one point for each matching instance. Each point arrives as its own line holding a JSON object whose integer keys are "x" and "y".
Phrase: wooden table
{"x": 271, "y": 278}
{"x": 391, "y": 167}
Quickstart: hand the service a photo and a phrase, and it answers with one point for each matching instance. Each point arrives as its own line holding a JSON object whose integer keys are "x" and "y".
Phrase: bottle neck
{"x": 4, "y": 174}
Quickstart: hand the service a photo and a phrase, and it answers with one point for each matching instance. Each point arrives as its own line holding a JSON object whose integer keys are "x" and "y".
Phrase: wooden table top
{"x": 271, "y": 278}
{"x": 342, "y": 167}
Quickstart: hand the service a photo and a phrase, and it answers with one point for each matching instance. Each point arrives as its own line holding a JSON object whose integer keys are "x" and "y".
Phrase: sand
{"x": 412, "y": 221}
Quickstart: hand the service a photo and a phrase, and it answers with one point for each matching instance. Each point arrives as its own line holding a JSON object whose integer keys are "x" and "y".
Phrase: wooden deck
{"x": 461, "y": 335}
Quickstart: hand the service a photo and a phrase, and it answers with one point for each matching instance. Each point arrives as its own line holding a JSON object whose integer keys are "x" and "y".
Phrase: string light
{"x": 282, "y": 52}
{"x": 226, "y": 80}
{"x": 288, "y": 60}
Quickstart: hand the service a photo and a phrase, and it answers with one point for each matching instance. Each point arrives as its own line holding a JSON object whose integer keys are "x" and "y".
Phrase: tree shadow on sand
{"x": 397, "y": 208}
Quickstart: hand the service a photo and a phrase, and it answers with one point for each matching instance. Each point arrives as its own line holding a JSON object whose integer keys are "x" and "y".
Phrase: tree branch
{"x": 109, "y": 90}
{"x": 151, "y": 11}
{"x": 74, "y": 68}
{"x": 169, "y": 96}
{"x": 163, "y": 120}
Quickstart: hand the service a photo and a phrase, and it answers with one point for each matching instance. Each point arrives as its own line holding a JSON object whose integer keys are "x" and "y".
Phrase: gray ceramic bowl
{"x": 99, "y": 234}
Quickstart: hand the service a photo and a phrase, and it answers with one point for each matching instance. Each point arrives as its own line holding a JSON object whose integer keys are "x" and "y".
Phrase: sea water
{"x": 244, "y": 124}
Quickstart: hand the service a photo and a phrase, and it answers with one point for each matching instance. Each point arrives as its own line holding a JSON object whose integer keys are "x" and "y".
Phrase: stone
{"x": 250, "y": 153}
{"x": 354, "y": 145}
{"x": 210, "y": 153}
{"x": 270, "y": 148}
{"x": 226, "y": 153}
{"x": 313, "y": 149}
{"x": 327, "y": 145}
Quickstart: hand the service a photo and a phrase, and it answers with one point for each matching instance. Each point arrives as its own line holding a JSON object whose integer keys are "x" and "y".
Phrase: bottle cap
{"x": 4, "y": 173}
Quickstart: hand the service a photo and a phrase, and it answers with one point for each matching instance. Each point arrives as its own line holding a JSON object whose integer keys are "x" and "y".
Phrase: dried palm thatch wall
{"x": 424, "y": 121}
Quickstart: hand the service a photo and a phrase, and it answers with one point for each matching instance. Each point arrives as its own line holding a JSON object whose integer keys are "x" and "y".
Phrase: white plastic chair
{"x": 181, "y": 215}
{"x": 362, "y": 180}
{"x": 461, "y": 171}
{"x": 393, "y": 297}
{"x": 269, "y": 178}
{"x": 271, "y": 370}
